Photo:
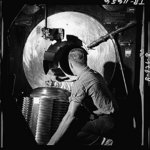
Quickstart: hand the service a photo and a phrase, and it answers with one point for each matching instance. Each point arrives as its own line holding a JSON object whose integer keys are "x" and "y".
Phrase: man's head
{"x": 77, "y": 59}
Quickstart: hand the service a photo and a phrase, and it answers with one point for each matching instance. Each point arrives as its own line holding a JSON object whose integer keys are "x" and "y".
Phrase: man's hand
{"x": 51, "y": 142}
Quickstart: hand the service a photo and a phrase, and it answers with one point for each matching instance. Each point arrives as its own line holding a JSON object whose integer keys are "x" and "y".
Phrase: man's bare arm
{"x": 65, "y": 123}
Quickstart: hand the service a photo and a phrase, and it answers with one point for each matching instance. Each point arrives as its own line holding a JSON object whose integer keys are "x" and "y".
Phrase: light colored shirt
{"x": 91, "y": 91}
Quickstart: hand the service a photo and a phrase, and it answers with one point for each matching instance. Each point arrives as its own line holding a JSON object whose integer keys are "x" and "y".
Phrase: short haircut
{"x": 78, "y": 55}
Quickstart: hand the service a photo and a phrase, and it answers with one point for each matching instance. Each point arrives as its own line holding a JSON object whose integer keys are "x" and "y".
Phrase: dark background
{"x": 16, "y": 130}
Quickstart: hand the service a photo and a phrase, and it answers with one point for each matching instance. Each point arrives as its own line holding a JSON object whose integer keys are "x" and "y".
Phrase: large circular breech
{"x": 81, "y": 25}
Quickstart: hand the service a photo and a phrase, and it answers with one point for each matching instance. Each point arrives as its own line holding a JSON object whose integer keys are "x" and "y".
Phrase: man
{"x": 89, "y": 114}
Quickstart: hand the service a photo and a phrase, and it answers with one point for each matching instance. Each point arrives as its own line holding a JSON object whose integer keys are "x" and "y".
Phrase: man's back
{"x": 93, "y": 86}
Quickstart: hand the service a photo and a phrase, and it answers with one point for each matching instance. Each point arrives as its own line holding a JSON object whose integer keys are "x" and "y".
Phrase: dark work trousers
{"x": 96, "y": 129}
{"x": 85, "y": 131}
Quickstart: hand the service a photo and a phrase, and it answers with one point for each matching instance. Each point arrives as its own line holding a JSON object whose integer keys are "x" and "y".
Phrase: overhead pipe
{"x": 105, "y": 37}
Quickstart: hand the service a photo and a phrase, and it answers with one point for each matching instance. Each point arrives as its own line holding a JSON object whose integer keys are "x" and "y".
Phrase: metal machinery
{"x": 40, "y": 38}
